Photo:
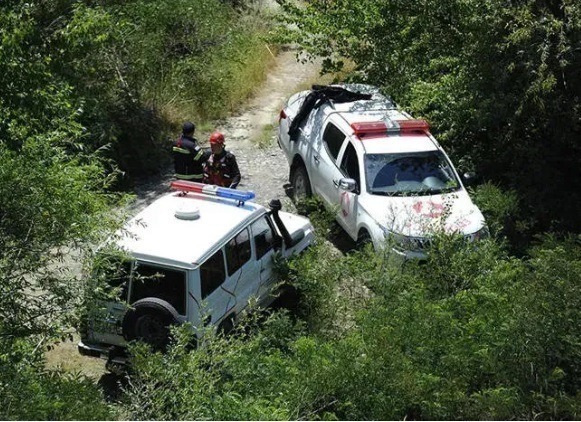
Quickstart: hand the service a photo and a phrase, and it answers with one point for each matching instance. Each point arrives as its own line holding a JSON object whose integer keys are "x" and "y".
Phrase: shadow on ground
{"x": 112, "y": 385}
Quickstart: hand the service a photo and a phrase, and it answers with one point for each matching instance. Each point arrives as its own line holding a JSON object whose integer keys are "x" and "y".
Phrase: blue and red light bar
{"x": 380, "y": 128}
{"x": 186, "y": 186}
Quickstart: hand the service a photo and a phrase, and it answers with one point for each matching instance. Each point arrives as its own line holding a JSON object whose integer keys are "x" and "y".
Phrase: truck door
{"x": 348, "y": 201}
{"x": 324, "y": 164}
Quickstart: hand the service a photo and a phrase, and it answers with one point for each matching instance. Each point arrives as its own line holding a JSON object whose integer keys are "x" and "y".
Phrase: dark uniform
{"x": 222, "y": 170}
{"x": 189, "y": 159}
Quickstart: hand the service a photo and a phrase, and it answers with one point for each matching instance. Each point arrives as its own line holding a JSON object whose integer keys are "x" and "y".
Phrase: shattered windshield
{"x": 418, "y": 173}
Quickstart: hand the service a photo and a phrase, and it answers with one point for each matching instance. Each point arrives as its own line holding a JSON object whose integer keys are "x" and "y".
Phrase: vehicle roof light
{"x": 212, "y": 190}
{"x": 413, "y": 126}
{"x": 381, "y": 128}
{"x": 369, "y": 129}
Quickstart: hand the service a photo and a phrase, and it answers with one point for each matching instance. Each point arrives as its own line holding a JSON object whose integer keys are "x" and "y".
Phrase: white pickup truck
{"x": 380, "y": 170}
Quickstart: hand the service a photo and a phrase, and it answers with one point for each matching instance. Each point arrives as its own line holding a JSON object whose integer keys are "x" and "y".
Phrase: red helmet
{"x": 217, "y": 139}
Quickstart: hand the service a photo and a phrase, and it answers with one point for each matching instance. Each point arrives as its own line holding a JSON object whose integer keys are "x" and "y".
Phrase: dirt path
{"x": 263, "y": 167}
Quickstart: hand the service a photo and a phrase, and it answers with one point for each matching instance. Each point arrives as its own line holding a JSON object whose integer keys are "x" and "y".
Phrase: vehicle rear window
{"x": 114, "y": 270}
{"x": 163, "y": 283}
{"x": 333, "y": 138}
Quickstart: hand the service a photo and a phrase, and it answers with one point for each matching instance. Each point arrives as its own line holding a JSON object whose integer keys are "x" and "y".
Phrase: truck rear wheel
{"x": 149, "y": 321}
{"x": 301, "y": 186}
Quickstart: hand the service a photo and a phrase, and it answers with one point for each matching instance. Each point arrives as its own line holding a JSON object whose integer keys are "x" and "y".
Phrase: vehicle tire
{"x": 301, "y": 186}
{"x": 149, "y": 321}
{"x": 226, "y": 326}
{"x": 363, "y": 239}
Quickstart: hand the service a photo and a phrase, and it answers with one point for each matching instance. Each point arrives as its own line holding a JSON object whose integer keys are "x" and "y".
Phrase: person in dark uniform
{"x": 221, "y": 168}
{"x": 188, "y": 156}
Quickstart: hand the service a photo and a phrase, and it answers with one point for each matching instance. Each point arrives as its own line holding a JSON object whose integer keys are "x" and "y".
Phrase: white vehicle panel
{"x": 375, "y": 126}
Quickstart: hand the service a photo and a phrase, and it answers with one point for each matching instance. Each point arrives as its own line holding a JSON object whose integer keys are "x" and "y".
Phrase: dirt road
{"x": 250, "y": 135}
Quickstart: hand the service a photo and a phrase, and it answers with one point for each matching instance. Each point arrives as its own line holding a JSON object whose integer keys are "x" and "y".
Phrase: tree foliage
{"x": 78, "y": 84}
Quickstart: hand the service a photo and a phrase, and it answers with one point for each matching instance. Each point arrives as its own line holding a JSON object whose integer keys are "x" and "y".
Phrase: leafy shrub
{"x": 470, "y": 334}
{"x": 29, "y": 392}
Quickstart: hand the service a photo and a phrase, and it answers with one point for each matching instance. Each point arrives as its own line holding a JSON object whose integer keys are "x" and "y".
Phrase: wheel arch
{"x": 297, "y": 162}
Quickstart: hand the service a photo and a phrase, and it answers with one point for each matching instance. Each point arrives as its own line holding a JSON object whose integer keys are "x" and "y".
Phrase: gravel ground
{"x": 263, "y": 167}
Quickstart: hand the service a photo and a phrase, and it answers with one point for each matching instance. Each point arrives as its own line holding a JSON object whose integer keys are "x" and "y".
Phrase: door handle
{"x": 316, "y": 159}
{"x": 336, "y": 183}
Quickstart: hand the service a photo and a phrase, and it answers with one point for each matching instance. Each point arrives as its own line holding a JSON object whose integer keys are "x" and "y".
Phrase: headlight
{"x": 483, "y": 233}
{"x": 405, "y": 243}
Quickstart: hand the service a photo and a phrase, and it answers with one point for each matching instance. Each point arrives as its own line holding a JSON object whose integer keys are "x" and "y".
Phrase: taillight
{"x": 282, "y": 115}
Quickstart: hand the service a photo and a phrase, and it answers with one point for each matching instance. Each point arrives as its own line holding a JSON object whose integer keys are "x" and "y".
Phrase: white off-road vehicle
{"x": 200, "y": 255}
{"x": 380, "y": 170}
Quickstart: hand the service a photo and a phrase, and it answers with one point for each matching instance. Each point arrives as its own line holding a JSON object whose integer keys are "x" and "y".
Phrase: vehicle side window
{"x": 263, "y": 236}
{"x": 238, "y": 251}
{"x": 333, "y": 139}
{"x": 350, "y": 164}
{"x": 159, "y": 282}
{"x": 212, "y": 273}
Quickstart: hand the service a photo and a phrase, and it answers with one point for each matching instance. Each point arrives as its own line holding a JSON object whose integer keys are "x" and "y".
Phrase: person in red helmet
{"x": 221, "y": 168}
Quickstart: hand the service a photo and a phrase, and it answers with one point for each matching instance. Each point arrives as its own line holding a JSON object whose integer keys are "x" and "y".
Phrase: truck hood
{"x": 421, "y": 216}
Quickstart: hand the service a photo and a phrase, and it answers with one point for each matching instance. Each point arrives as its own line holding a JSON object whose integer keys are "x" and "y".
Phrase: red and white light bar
{"x": 380, "y": 128}
{"x": 186, "y": 186}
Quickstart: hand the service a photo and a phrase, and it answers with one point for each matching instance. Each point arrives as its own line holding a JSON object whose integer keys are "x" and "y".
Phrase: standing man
{"x": 188, "y": 156}
{"x": 221, "y": 169}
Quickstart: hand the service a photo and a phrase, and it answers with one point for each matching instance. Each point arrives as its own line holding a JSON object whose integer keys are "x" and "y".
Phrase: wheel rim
{"x": 151, "y": 330}
{"x": 300, "y": 187}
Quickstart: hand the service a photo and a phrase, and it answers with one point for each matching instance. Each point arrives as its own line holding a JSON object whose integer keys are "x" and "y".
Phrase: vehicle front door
{"x": 263, "y": 239}
{"x": 349, "y": 201}
{"x": 325, "y": 171}
{"x": 243, "y": 271}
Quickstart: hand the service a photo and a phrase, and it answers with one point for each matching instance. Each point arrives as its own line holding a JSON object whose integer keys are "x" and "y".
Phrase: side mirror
{"x": 350, "y": 185}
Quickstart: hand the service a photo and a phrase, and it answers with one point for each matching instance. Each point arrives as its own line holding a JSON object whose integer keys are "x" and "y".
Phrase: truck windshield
{"x": 403, "y": 174}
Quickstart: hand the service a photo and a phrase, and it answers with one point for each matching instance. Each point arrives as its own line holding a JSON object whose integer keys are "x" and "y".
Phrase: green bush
{"x": 29, "y": 392}
{"x": 469, "y": 334}
{"x": 499, "y": 82}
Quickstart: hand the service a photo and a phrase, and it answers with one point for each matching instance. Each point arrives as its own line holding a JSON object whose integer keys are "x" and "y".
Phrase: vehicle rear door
{"x": 325, "y": 172}
{"x": 242, "y": 269}
{"x": 216, "y": 290}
